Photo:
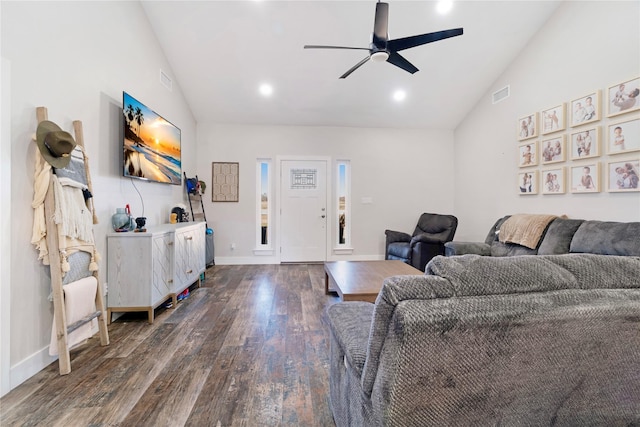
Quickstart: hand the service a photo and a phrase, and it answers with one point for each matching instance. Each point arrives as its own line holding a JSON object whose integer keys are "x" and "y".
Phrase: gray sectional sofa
{"x": 494, "y": 340}
{"x": 562, "y": 236}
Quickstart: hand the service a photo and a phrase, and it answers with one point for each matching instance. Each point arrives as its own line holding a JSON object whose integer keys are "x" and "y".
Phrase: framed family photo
{"x": 553, "y": 119}
{"x": 528, "y": 182}
{"x": 553, "y": 150}
{"x": 585, "y": 143}
{"x": 553, "y": 181}
{"x": 528, "y": 154}
{"x": 623, "y": 176}
{"x": 585, "y": 109}
{"x": 585, "y": 178}
{"x": 623, "y": 97}
{"x": 528, "y": 127}
{"x": 623, "y": 137}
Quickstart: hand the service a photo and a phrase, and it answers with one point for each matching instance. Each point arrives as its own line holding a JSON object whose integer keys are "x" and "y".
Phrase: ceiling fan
{"x": 382, "y": 49}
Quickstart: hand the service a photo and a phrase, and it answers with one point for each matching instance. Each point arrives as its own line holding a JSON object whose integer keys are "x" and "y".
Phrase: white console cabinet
{"x": 146, "y": 269}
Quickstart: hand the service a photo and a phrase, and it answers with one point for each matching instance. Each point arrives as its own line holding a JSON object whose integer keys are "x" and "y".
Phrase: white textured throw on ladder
{"x": 79, "y": 302}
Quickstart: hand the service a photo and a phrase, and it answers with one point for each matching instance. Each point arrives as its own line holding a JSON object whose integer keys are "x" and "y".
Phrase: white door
{"x": 303, "y": 213}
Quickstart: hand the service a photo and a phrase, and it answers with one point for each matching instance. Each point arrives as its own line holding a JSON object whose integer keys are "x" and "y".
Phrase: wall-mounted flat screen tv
{"x": 151, "y": 144}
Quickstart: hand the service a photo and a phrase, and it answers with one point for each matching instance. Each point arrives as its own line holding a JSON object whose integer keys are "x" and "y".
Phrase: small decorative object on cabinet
{"x": 146, "y": 269}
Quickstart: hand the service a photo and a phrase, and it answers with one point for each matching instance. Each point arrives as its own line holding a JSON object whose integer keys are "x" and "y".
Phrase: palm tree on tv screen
{"x": 139, "y": 116}
{"x": 129, "y": 114}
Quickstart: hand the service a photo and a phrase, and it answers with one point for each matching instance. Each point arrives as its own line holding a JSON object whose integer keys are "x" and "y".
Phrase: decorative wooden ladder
{"x": 61, "y": 326}
{"x": 195, "y": 196}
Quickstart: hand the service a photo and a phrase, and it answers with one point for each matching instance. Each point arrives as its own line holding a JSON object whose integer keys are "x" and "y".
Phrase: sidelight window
{"x": 343, "y": 203}
{"x": 264, "y": 217}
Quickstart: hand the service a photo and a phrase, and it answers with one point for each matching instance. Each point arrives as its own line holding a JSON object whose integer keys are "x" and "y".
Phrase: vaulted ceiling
{"x": 220, "y": 53}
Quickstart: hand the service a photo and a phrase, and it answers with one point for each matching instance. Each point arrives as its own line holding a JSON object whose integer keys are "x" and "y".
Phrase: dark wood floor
{"x": 249, "y": 348}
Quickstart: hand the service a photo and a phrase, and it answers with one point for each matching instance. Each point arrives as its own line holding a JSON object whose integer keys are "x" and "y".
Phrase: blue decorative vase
{"x": 121, "y": 220}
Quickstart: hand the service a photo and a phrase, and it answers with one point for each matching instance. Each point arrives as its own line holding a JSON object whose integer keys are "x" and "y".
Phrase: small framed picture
{"x": 585, "y": 109}
{"x": 553, "y": 181}
{"x": 225, "y": 181}
{"x": 623, "y": 97}
{"x": 553, "y": 119}
{"x": 553, "y": 150}
{"x": 528, "y": 126}
{"x": 623, "y": 137}
{"x": 528, "y": 182}
{"x": 585, "y": 143}
{"x": 585, "y": 178}
{"x": 622, "y": 176}
{"x": 528, "y": 154}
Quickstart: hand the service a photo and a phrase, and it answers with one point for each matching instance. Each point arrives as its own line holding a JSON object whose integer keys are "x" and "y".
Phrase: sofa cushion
{"x": 475, "y": 275}
{"x": 525, "y": 229}
{"x": 607, "y": 238}
{"x": 558, "y": 237}
{"x": 499, "y": 249}
{"x": 351, "y": 336}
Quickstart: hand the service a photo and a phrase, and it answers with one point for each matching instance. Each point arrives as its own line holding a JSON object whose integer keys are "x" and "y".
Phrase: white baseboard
{"x": 25, "y": 369}
{"x": 273, "y": 260}
{"x": 229, "y": 260}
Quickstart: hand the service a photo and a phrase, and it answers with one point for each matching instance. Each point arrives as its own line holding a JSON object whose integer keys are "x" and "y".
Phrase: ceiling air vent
{"x": 165, "y": 80}
{"x": 501, "y": 94}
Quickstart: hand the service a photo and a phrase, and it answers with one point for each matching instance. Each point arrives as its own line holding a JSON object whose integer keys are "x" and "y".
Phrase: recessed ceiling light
{"x": 444, "y": 6}
{"x": 399, "y": 95}
{"x": 266, "y": 89}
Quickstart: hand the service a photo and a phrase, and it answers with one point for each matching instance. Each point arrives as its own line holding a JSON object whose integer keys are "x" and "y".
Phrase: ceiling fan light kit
{"x": 382, "y": 49}
{"x": 379, "y": 56}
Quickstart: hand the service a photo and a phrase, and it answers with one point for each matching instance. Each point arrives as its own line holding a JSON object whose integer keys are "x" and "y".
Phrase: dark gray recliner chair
{"x": 427, "y": 241}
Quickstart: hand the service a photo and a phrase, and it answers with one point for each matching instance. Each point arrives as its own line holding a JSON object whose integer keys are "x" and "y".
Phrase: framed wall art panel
{"x": 622, "y": 176}
{"x": 553, "y": 181}
{"x": 585, "y": 178}
{"x": 553, "y": 150}
{"x": 585, "y": 143}
{"x": 553, "y": 119}
{"x": 225, "y": 179}
{"x": 623, "y": 97}
{"x": 585, "y": 109}
{"x": 528, "y": 127}
{"x": 623, "y": 137}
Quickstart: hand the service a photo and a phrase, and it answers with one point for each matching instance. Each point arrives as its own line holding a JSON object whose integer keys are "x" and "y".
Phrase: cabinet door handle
{"x": 170, "y": 281}
{"x": 188, "y": 238}
{"x": 189, "y": 272}
{"x": 170, "y": 244}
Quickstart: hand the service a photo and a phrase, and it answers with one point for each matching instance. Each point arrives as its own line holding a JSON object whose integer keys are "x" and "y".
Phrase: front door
{"x": 303, "y": 213}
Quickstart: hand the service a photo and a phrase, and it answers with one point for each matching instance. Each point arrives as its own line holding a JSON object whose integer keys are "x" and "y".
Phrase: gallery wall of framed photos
{"x": 586, "y": 145}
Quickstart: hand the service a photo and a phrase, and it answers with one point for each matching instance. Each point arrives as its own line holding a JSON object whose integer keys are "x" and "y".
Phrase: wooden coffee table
{"x": 362, "y": 280}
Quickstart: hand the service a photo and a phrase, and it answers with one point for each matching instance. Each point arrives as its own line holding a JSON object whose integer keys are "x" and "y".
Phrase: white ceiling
{"x": 221, "y": 51}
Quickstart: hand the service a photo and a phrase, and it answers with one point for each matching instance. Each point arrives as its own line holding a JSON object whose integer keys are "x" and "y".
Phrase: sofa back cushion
{"x": 607, "y": 238}
{"x": 499, "y": 249}
{"x": 475, "y": 275}
{"x": 554, "y": 358}
{"x": 557, "y": 239}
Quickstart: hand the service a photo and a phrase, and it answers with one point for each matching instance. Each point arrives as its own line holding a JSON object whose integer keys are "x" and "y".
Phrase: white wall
{"x": 583, "y": 47}
{"x": 5, "y": 227}
{"x": 76, "y": 58}
{"x": 405, "y": 172}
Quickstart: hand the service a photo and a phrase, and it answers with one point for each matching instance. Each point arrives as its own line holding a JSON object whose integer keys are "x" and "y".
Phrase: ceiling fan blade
{"x": 399, "y": 61}
{"x": 381, "y": 24}
{"x": 313, "y": 46}
{"x": 355, "y": 67}
{"x": 413, "y": 41}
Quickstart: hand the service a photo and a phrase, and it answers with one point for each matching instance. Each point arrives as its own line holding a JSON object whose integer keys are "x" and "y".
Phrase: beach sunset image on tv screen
{"x": 151, "y": 144}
